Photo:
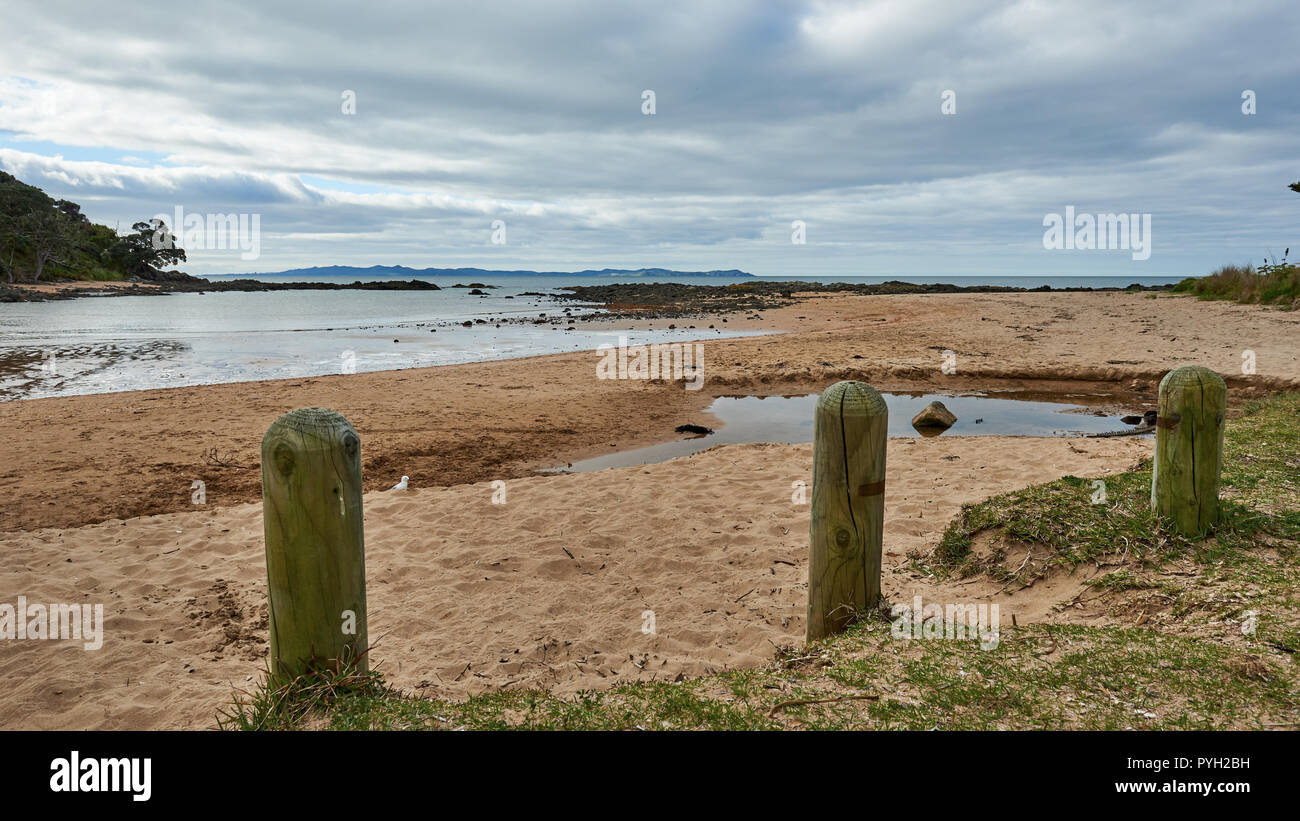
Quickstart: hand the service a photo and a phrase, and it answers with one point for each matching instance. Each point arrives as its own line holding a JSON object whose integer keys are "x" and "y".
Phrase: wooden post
{"x": 315, "y": 550}
{"x": 850, "y": 426}
{"x": 1189, "y": 449}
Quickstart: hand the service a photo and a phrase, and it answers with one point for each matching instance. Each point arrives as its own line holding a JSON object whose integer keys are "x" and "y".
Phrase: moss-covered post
{"x": 850, "y": 426}
{"x": 315, "y": 551}
{"x": 1189, "y": 449}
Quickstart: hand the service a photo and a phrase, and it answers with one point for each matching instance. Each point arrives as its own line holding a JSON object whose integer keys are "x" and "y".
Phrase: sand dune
{"x": 547, "y": 590}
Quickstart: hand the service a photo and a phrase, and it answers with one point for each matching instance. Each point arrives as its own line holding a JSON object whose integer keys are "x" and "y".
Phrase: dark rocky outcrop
{"x": 699, "y": 430}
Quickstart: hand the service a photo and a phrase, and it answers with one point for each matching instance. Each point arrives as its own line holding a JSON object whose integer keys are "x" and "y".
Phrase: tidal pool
{"x": 789, "y": 419}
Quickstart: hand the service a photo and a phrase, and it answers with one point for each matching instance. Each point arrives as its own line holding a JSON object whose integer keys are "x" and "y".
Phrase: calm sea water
{"x": 97, "y": 345}
{"x": 789, "y": 419}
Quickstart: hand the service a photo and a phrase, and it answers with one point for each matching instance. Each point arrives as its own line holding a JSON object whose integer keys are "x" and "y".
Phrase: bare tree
{"x": 50, "y": 237}
{"x": 9, "y": 241}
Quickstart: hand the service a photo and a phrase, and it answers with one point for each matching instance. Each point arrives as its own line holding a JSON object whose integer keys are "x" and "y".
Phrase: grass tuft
{"x": 280, "y": 703}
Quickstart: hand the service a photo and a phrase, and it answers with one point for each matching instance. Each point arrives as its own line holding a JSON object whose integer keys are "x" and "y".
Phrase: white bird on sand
{"x": 402, "y": 484}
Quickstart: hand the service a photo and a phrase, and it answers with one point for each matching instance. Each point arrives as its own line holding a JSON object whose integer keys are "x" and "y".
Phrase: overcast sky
{"x": 765, "y": 113}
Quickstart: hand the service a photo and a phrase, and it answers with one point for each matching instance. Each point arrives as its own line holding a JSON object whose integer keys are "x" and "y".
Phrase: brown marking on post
{"x": 872, "y": 489}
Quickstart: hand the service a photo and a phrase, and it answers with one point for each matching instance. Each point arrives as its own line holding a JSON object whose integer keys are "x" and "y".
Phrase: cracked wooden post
{"x": 315, "y": 550}
{"x": 1189, "y": 449}
{"x": 850, "y": 426}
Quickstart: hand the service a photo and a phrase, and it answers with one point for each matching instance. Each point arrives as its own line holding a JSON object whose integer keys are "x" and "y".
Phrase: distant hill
{"x": 404, "y": 271}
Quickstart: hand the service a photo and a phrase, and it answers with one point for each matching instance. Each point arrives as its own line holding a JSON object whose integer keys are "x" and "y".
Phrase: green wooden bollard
{"x": 850, "y": 426}
{"x": 1189, "y": 449}
{"x": 315, "y": 550}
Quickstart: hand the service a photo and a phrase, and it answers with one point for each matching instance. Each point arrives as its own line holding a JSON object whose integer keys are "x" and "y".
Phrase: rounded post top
{"x": 851, "y": 398}
{"x": 312, "y": 420}
{"x": 313, "y": 428}
{"x": 1187, "y": 376}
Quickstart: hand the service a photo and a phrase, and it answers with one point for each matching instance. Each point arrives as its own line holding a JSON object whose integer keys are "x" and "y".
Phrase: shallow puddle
{"x": 789, "y": 419}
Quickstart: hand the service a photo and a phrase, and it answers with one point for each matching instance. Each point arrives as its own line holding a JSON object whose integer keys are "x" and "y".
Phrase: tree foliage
{"x": 152, "y": 246}
{"x": 41, "y": 236}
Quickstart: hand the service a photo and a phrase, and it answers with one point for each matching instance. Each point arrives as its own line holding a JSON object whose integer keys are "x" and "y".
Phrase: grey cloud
{"x": 827, "y": 112}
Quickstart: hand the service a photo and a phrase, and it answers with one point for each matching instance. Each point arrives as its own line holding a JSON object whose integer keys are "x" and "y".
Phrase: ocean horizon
{"x": 560, "y": 279}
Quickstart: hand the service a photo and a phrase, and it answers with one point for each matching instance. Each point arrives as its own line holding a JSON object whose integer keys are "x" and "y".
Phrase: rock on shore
{"x": 934, "y": 415}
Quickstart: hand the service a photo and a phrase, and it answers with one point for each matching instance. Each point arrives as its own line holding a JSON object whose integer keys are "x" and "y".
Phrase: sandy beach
{"x": 545, "y": 591}
{"x": 85, "y": 459}
{"x": 549, "y": 589}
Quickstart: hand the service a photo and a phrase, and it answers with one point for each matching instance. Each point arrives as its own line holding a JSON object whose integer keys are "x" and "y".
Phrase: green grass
{"x": 1260, "y": 500}
{"x": 1190, "y": 667}
{"x": 1274, "y": 284}
{"x": 1041, "y": 676}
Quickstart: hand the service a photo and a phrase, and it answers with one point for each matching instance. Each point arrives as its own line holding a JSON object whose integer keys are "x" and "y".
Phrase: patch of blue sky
{"x": 330, "y": 184}
{"x": 81, "y": 153}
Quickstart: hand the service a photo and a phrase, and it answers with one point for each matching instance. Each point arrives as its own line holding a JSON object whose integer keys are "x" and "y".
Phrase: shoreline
{"x": 86, "y": 459}
{"x": 586, "y": 309}
{"x": 634, "y": 296}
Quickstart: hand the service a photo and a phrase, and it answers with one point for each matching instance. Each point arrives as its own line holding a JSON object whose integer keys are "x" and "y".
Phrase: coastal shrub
{"x": 1276, "y": 282}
